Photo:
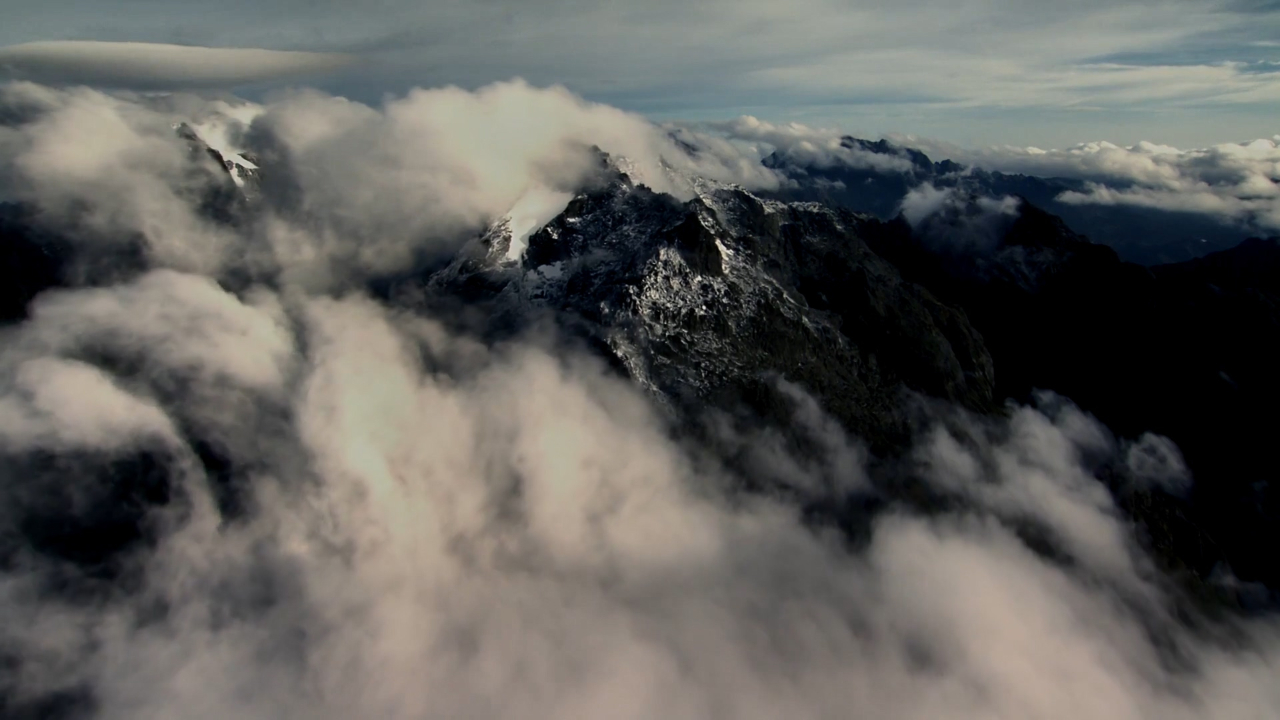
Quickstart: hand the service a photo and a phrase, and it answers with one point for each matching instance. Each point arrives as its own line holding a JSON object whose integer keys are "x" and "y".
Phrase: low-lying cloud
{"x": 325, "y": 505}
{"x": 154, "y": 66}
{"x": 514, "y": 532}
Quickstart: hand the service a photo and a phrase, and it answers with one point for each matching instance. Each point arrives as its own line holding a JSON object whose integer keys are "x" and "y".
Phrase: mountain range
{"x": 1142, "y": 235}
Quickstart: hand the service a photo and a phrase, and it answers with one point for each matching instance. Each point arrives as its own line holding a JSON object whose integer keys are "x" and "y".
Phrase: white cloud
{"x": 441, "y": 161}
{"x": 1043, "y": 475}
{"x": 807, "y": 147}
{"x": 531, "y": 212}
{"x": 1155, "y": 461}
{"x": 523, "y": 538}
{"x": 132, "y": 174}
{"x": 61, "y": 404}
{"x": 924, "y": 201}
{"x": 952, "y": 219}
{"x": 155, "y": 65}
{"x": 1232, "y": 181}
{"x": 948, "y": 82}
{"x": 375, "y": 187}
{"x": 185, "y": 324}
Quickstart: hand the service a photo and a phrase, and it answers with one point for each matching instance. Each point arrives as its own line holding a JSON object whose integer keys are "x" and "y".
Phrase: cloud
{"x": 132, "y": 176}
{"x": 357, "y": 511}
{"x": 1235, "y": 182}
{"x": 60, "y": 404}
{"x": 1154, "y": 461}
{"x": 185, "y": 323}
{"x": 808, "y": 147}
{"x": 956, "y": 220}
{"x": 154, "y": 66}
{"x": 1079, "y": 85}
{"x": 1257, "y": 215}
{"x": 352, "y": 190}
{"x": 523, "y": 537}
{"x": 924, "y": 201}
{"x": 1044, "y": 466}
{"x": 439, "y": 161}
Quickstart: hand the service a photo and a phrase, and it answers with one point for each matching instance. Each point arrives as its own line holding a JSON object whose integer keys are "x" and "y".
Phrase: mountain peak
{"x": 707, "y": 299}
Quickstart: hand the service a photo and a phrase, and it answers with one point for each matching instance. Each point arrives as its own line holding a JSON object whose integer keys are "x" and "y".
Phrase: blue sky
{"x": 973, "y": 72}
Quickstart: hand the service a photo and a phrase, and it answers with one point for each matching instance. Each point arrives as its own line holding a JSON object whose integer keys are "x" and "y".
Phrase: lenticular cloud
{"x": 150, "y": 66}
{"x": 237, "y": 481}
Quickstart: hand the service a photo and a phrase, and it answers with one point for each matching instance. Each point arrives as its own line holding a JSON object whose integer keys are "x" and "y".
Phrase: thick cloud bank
{"x": 155, "y": 65}
{"x": 231, "y": 486}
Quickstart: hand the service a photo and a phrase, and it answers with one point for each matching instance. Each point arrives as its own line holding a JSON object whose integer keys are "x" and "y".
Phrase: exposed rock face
{"x": 710, "y": 300}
